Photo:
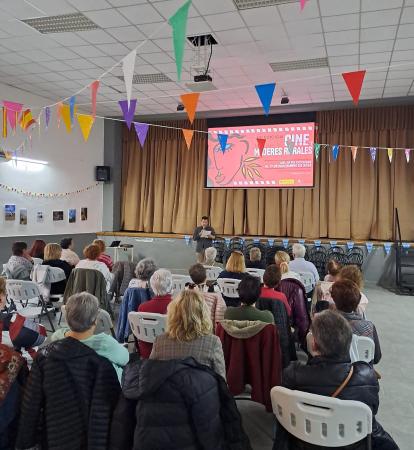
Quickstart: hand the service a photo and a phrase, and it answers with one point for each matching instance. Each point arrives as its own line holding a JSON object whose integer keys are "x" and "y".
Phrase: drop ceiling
{"x": 377, "y": 35}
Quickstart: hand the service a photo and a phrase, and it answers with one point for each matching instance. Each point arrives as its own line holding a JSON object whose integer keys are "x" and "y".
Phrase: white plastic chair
{"x": 256, "y": 272}
{"x": 308, "y": 281}
{"x": 322, "y": 421}
{"x": 179, "y": 282}
{"x": 37, "y": 261}
{"x": 228, "y": 287}
{"x": 362, "y": 349}
{"x": 147, "y": 326}
{"x": 212, "y": 272}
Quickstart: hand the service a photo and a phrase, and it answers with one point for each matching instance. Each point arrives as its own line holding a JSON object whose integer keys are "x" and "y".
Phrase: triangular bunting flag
{"x": 389, "y": 152}
{"x": 317, "y": 243}
{"x": 317, "y": 149}
{"x": 335, "y": 152}
{"x": 128, "y": 66}
{"x": 354, "y": 82}
{"x": 333, "y": 243}
{"x": 223, "y": 141}
{"x": 85, "y": 122}
{"x": 94, "y": 91}
{"x": 187, "y": 239}
{"x": 227, "y": 240}
{"x": 407, "y": 154}
{"x": 59, "y": 108}
{"x": 369, "y": 246}
{"x": 285, "y": 242}
{"x": 265, "y": 93}
{"x": 406, "y": 245}
{"x": 354, "y": 151}
{"x": 142, "y": 130}
{"x": 72, "y": 109}
{"x": 261, "y": 143}
{"x": 13, "y": 110}
{"x": 350, "y": 245}
{"x": 178, "y": 22}
{"x": 188, "y": 136}
{"x": 128, "y": 110}
{"x": 271, "y": 242}
{"x": 66, "y": 117}
{"x": 387, "y": 247}
{"x": 190, "y": 104}
{"x": 4, "y": 124}
{"x": 301, "y": 241}
{"x": 302, "y": 4}
{"x": 26, "y": 120}
{"x": 373, "y": 153}
{"x": 47, "y": 117}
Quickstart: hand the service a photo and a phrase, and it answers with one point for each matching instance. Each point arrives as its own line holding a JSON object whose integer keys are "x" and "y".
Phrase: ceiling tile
{"x": 339, "y": 50}
{"x": 408, "y": 15}
{"x": 338, "y": 7}
{"x": 153, "y": 58}
{"x": 378, "y": 33}
{"x": 339, "y": 23}
{"x": 104, "y": 61}
{"x": 342, "y": 37}
{"x": 375, "y": 5}
{"x": 145, "y": 47}
{"x": 400, "y": 73}
{"x": 224, "y": 21}
{"x": 304, "y": 27}
{"x": 74, "y": 74}
{"x": 53, "y": 7}
{"x": 13, "y": 58}
{"x": 380, "y": 18}
{"x": 238, "y": 36}
{"x": 404, "y": 44}
{"x": 403, "y": 55}
{"x": 402, "y": 83}
{"x": 96, "y": 37}
{"x": 88, "y": 51}
{"x": 370, "y": 58}
{"x": 197, "y": 25}
{"x": 336, "y": 61}
{"x": 67, "y": 39}
{"x": 107, "y": 18}
{"x": 289, "y": 11}
{"x": 56, "y": 66}
{"x": 53, "y": 76}
{"x": 113, "y": 49}
{"x": 139, "y": 14}
{"x": 80, "y": 63}
{"x": 125, "y": 34}
{"x": 20, "y": 9}
{"x": 213, "y": 6}
{"x": 405, "y": 31}
{"x": 168, "y": 7}
{"x": 37, "y": 55}
{"x": 89, "y": 5}
{"x": 376, "y": 46}
{"x": 60, "y": 53}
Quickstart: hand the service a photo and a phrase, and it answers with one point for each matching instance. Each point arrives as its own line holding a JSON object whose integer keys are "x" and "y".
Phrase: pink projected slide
{"x": 285, "y": 162}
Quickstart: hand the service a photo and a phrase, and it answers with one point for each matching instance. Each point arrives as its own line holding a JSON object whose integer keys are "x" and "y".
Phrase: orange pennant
{"x": 4, "y": 128}
{"x": 85, "y": 122}
{"x": 26, "y": 119}
{"x": 188, "y": 136}
{"x": 190, "y": 104}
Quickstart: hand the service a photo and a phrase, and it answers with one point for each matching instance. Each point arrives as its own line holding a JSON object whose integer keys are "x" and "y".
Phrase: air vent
{"x": 250, "y": 4}
{"x": 149, "y": 78}
{"x": 301, "y": 64}
{"x": 202, "y": 40}
{"x": 61, "y": 24}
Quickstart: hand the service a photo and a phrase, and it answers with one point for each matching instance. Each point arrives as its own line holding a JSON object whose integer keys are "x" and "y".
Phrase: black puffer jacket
{"x": 323, "y": 376}
{"x": 69, "y": 399}
{"x": 175, "y": 405}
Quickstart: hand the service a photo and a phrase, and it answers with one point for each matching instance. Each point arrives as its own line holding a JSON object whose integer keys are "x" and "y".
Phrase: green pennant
{"x": 317, "y": 148}
{"x": 178, "y": 22}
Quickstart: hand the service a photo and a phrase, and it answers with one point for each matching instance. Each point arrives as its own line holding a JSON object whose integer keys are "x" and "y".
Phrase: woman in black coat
{"x": 53, "y": 252}
{"x": 175, "y": 405}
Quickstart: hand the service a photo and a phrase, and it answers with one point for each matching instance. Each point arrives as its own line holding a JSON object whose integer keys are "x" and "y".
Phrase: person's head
{"x": 249, "y": 290}
{"x": 346, "y": 295}
{"x": 298, "y": 250}
{"x": 255, "y": 254}
{"x": 19, "y": 248}
{"x": 101, "y": 244}
{"x": 81, "y": 312}
{"x": 161, "y": 282}
{"x": 2, "y": 292}
{"x": 282, "y": 259}
{"x": 352, "y": 273}
{"x": 188, "y": 316}
{"x": 37, "y": 248}
{"x": 210, "y": 254}
{"x": 198, "y": 273}
{"x": 145, "y": 268}
{"x": 331, "y": 335}
{"x": 66, "y": 243}
{"x": 91, "y": 252}
{"x": 204, "y": 221}
{"x": 53, "y": 251}
{"x": 236, "y": 263}
{"x": 333, "y": 267}
{"x": 272, "y": 276}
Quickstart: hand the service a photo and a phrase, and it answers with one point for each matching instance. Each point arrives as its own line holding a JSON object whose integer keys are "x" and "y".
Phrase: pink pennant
{"x": 94, "y": 90}
{"x": 13, "y": 110}
{"x": 302, "y": 4}
{"x": 407, "y": 154}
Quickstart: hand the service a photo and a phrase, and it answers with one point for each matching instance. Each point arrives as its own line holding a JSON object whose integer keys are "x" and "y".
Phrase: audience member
{"x": 81, "y": 316}
{"x": 333, "y": 267}
{"x": 271, "y": 280}
{"x": 106, "y": 259}
{"x": 249, "y": 292}
{"x": 346, "y": 296}
{"x": 326, "y": 372}
{"x": 213, "y": 299}
{"x": 53, "y": 252}
{"x": 236, "y": 269}
{"x": 190, "y": 333}
{"x": 91, "y": 253}
{"x": 299, "y": 264}
{"x": 68, "y": 254}
{"x": 354, "y": 274}
{"x": 143, "y": 272}
{"x": 210, "y": 255}
{"x": 255, "y": 259}
{"x": 37, "y": 249}
{"x": 20, "y": 264}
{"x": 161, "y": 285}
{"x": 282, "y": 260}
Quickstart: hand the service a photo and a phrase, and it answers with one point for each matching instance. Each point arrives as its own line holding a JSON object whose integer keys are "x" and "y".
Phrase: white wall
{"x": 71, "y": 166}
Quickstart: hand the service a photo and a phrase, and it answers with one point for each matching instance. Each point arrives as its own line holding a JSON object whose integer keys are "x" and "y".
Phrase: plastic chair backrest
{"x": 228, "y": 287}
{"x": 103, "y": 321}
{"x": 212, "y": 272}
{"x": 319, "y": 420}
{"x": 308, "y": 281}
{"x": 55, "y": 274}
{"x": 179, "y": 282}
{"x": 37, "y": 261}
{"x": 256, "y": 272}
{"x": 20, "y": 291}
{"x": 362, "y": 349}
{"x": 147, "y": 326}
{"x": 6, "y": 271}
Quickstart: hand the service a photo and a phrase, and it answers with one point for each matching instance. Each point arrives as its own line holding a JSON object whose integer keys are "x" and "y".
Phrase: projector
{"x": 201, "y": 78}
{"x": 284, "y": 100}
{"x": 180, "y": 107}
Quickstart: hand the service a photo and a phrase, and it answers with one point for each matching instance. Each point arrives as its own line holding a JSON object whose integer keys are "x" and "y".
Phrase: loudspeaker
{"x": 103, "y": 173}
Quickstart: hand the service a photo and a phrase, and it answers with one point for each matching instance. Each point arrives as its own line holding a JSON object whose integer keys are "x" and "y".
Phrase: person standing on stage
{"x": 204, "y": 236}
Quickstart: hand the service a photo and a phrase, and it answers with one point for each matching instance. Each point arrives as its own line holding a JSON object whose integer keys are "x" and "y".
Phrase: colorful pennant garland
{"x": 265, "y": 93}
{"x": 128, "y": 110}
{"x": 85, "y": 123}
{"x": 128, "y": 66}
{"x": 141, "y": 129}
{"x": 317, "y": 149}
{"x": 178, "y": 22}
{"x": 48, "y": 194}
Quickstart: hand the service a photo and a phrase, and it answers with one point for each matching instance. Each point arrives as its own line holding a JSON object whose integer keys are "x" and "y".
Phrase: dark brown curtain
{"x": 163, "y": 183}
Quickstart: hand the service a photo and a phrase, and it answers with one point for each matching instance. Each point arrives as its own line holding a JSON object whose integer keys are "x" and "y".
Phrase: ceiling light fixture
{"x": 250, "y": 4}
{"x": 149, "y": 78}
{"x": 301, "y": 64}
{"x": 61, "y": 24}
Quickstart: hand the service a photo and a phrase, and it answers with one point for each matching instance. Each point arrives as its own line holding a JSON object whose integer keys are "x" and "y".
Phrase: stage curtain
{"x": 163, "y": 183}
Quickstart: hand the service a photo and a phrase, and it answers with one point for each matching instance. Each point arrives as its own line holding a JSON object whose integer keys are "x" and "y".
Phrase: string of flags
{"x": 33, "y": 194}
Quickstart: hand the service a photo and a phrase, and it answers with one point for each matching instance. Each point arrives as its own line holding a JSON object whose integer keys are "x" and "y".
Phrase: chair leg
{"x": 44, "y": 308}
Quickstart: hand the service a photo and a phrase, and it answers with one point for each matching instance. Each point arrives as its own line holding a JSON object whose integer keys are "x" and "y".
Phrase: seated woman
{"x": 346, "y": 296}
{"x": 333, "y": 267}
{"x": 213, "y": 299}
{"x": 271, "y": 280}
{"x": 37, "y": 249}
{"x": 236, "y": 269}
{"x": 91, "y": 253}
{"x": 210, "y": 255}
{"x": 282, "y": 259}
{"x": 249, "y": 293}
{"x": 20, "y": 264}
{"x": 106, "y": 259}
{"x": 255, "y": 259}
{"x": 52, "y": 254}
{"x": 81, "y": 315}
{"x": 354, "y": 274}
{"x": 143, "y": 272}
{"x": 190, "y": 333}
{"x": 68, "y": 254}
{"x": 321, "y": 298}
{"x": 326, "y": 372}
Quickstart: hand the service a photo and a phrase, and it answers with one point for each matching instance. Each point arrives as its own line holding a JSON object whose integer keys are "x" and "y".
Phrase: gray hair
{"x": 210, "y": 253}
{"x": 81, "y": 311}
{"x": 332, "y": 334}
{"x": 298, "y": 250}
{"x": 161, "y": 282}
{"x": 145, "y": 268}
{"x": 255, "y": 254}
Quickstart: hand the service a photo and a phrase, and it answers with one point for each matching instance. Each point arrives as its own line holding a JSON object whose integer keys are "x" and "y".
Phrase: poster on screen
{"x": 9, "y": 213}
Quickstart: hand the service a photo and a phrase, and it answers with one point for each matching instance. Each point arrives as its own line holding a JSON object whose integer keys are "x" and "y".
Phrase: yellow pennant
{"x": 4, "y": 131}
{"x": 66, "y": 116}
{"x": 389, "y": 151}
{"x": 85, "y": 122}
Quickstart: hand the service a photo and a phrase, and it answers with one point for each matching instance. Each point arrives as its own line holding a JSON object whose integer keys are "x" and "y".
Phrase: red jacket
{"x": 267, "y": 292}
{"x": 256, "y": 361}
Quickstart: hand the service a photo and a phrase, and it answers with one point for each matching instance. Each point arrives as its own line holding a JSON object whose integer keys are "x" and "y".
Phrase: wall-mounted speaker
{"x": 103, "y": 173}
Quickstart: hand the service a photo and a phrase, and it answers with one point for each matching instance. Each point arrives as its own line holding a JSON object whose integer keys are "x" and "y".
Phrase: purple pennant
{"x": 128, "y": 111}
{"x": 223, "y": 141}
{"x": 373, "y": 152}
{"x": 142, "y": 130}
{"x": 47, "y": 116}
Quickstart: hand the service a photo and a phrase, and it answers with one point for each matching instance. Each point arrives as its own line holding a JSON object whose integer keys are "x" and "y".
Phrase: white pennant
{"x": 128, "y": 66}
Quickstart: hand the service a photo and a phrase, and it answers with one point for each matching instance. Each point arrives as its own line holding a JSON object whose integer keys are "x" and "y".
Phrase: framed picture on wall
{"x": 9, "y": 212}
{"x": 57, "y": 215}
{"x": 23, "y": 217}
{"x": 40, "y": 216}
{"x": 84, "y": 213}
{"x": 72, "y": 215}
